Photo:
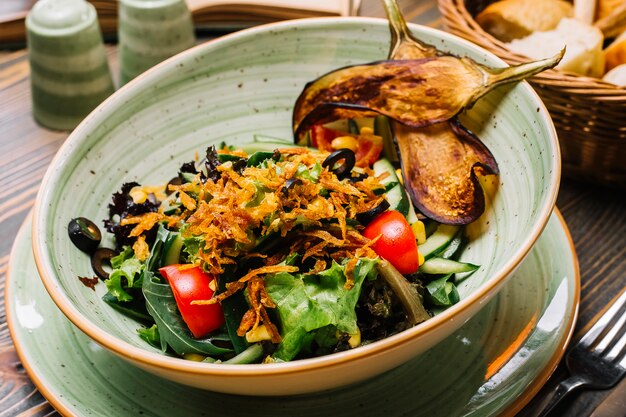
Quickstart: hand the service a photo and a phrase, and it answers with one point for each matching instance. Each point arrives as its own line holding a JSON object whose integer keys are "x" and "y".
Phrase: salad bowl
{"x": 244, "y": 84}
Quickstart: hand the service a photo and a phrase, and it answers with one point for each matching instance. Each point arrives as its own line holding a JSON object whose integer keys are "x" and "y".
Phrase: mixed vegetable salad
{"x": 272, "y": 252}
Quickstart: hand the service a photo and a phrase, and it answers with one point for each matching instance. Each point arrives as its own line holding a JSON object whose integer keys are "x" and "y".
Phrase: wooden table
{"x": 596, "y": 218}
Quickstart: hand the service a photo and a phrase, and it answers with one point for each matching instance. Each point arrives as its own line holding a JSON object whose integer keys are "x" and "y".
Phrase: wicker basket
{"x": 589, "y": 115}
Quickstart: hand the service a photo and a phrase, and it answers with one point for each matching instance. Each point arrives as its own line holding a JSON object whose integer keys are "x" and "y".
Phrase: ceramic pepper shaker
{"x": 70, "y": 74}
{"x": 149, "y": 31}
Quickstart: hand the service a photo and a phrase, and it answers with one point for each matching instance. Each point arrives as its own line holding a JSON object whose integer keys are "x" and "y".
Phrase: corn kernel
{"x": 259, "y": 334}
{"x": 157, "y": 190}
{"x": 193, "y": 357}
{"x": 347, "y": 142}
{"x": 355, "y": 339}
{"x": 420, "y": 258}
{"x": 399, "y": 175}
{"x": 138, "y": 195}
{"x": 366, "y": 131}
{"x": 419, "y": 230}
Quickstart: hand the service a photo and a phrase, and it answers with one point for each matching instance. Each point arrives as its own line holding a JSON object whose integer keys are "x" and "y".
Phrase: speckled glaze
{"x": 150, "y": 31}
{"x": 492, "y": 366}
{"x": 246, "y": 83}
{"x": 69, "y": 71}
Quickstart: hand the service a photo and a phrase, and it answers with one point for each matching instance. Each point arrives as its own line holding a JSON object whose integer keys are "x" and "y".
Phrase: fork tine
{"x": 603, "y": 321}
{"x": 615, "y": 332}
{"x": 619, "y": 349}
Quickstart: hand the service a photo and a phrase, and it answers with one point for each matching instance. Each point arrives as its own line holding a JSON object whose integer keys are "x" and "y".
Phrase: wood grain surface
{"x": 596, "y": 218}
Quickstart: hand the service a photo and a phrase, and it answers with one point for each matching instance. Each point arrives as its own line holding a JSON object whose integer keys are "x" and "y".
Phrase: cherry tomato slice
{"x": 396, "y": 243}
{"x": 189, "y": 284}
{"x": 368, "y": 150}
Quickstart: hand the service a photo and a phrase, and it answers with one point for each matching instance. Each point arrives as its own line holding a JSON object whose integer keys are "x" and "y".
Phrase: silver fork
{"x": 598, "y": 360}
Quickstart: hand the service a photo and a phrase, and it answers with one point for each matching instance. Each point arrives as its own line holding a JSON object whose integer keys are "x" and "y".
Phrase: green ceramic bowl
{"x": 244, "y": 84}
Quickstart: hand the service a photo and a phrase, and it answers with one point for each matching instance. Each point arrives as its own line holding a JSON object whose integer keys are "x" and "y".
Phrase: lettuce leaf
{"x": 127, "y": 270}
{"x": 308, "y": 303}
{"x": 161, "y": 305}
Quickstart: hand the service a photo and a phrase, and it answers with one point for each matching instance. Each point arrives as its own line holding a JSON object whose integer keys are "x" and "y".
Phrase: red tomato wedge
{"x": 192, "y": 283}
{"x": 321, "y": 137}
{"x": 368, "y": 150}
{"x": 396, "y": 243}
{"x": 368, "y": 147}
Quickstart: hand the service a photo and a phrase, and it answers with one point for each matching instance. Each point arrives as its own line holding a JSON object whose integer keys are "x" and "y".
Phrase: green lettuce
{"x": 312, "y": 304}
{"x": 127, "y": 270}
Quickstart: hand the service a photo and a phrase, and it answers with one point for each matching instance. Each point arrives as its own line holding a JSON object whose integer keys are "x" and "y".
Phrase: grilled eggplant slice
{"x": 418, "y": 89}
{"x": 414, "y": 92}
{"x": 464, "y": 154}
{"x": 440, "y": 164}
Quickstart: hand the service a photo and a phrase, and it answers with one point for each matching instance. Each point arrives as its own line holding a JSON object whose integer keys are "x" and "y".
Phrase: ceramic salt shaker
{"x": 70, "y": 74}
{"x": 151, "y": 31}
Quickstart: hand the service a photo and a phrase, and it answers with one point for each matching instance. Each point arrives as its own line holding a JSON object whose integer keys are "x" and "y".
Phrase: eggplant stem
{"x": 498, "y": 76}
{"x": 397, "y": 24}
{"x": 401, "y": 35}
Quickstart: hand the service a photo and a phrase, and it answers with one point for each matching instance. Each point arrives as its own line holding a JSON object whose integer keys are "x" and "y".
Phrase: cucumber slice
{"x": 452, "y": 248}
{"x": 340, "y": 125}
{"x": 258, "y": 157}
{"x": 396, "y": 195}
{"x": 362, "y": 122}
{"x": 253, "y": 147}
{"x": 446, "y": 266}
{"x": 383, "y": 165}
{"x": 412, "y": 216}
{"x": 398, "y": 200}
{"x": 382, "y": 128}
{"x": 171, "y": 249}
{"x": 271, "y": 139}
{"x": 439, "y": 240}
{"x": 353, "y": 128}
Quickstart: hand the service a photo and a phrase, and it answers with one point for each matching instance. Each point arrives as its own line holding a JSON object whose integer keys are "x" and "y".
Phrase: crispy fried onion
{"x": 320, "y": 243}
{"x": 295, "y": 198}
{"x": 258, "y": 299}
{"x": 230, "y": 213}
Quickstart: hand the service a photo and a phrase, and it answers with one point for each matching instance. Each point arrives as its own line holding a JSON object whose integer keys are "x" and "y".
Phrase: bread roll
{"x": 615, "y": 22}
{"x": 583, "y": 55}
{"x": 616, "y": 76}
{"x": 585, "y": 11}
{"x": 605, "y": 7}
{"x": 513, "y": 19}
{"x": 615, "y": 54}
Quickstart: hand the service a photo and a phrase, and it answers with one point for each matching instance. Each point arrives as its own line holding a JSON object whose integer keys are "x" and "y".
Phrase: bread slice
{"x": 583, "y": 55}
{"x": 513, "y": 19}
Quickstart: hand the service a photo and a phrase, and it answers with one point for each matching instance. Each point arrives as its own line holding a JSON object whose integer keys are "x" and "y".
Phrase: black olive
{"x": 290, "y": 183}
{"x": 358, "y": 177}
{"x": 84, "y": 234}
{"x": 173, "y": 181}
{"x": 369, "y": 215}
{"x": 99, "y": 258}
{"x": 340, "y": 170}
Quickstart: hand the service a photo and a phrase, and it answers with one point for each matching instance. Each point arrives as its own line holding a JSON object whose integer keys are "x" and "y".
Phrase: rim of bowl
{"x": 159, "y": 360}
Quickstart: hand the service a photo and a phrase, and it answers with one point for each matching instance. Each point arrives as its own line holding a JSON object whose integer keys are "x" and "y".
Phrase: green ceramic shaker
{"x": 70, "y": 74}
{"x": 150, "y": 31}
